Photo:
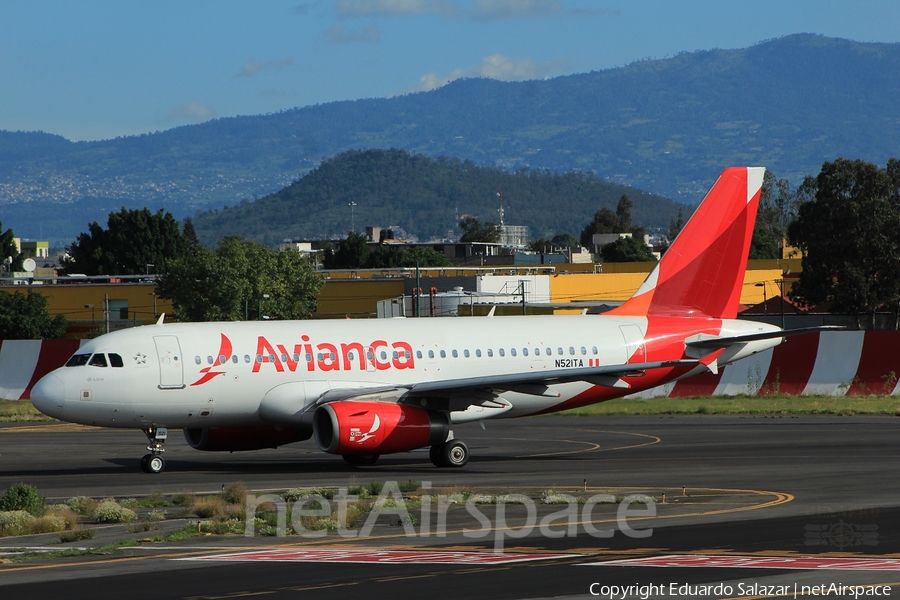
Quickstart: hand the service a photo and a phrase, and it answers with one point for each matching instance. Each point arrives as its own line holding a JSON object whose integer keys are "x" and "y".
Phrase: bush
{"x": 21, "y": 496}
{"x": 84, "y": 506}
{"x": 76, "y": 535}
{"x": 14, "y": 522}
{"x": 111, "y": 511}
{"x": 235, "y": 493}
{"x": 209, "y": 506}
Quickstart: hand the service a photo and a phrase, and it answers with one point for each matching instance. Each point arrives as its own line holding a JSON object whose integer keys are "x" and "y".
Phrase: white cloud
{"x": 496, "y": 66}
{"x": 370, "y": 34}
{"x": 193, "y": 111}
{"x": 349, "y": 9}
{"x": 251, "y": 68}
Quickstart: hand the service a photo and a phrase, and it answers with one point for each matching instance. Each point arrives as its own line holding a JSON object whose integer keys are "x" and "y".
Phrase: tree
{"x": 847, "y": 226}
{"x": 25, "y": 317}
{"x": 135, "y": 242}
{"x": 564, "y": 240}
{"x": 8, "y": 250}
{"x": 604, "y": 221}
{"x": 628, "y": 249}
{"x": 240, "y": 280}
{"x": 474, "y": 231}
{"x": 777, "y": 208}
{"x": 623, "y": 213}
{"x": 675, "y": 226}
{"x": 351, "y": 253}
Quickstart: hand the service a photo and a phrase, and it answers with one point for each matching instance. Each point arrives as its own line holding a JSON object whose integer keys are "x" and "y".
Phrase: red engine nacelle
{"x": 232, "y": 439}
{"x": 351, "y": 428}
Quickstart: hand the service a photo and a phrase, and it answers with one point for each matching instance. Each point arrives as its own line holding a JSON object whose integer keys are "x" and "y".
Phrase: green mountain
{"x": 667, "y": 126}
{"x": 426, "y": 197}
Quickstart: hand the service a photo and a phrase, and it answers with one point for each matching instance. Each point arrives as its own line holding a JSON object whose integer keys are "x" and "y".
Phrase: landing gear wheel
{"x": 450, "y": 454}
{"x": 152, "y": 463}
{"x": 436, "y": 454}
{"x": 360, "y": 460}
{"x": 456, "y": 454}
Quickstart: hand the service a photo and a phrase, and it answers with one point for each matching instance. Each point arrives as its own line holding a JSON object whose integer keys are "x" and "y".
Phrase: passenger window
{"x": 466, "y": 353}
{"x": 209, "y": 359}
{"x": 297, "y": 357}
{"x": 259, "y": 358}
{"x": 431, "y": 354}
{"x": 418, "y": 354}
{"x": 512, "y": 351}
{"x": 284, "y": 358}
{"x": 594, "y": 349}
{"x": 478, "y": 353}
{"x": 443, "y": 354}
{"x": 222, "y": 359}
{"x": 455, "y": 353}
{"x": 198, "y": 360}
{"x": 78, "y": 360}
{"x": 524, "y": 351}
{"x": 571, "y": 350}
{"x": 559, "y": 351}
{"x": 583, "y": 350}
{"x": 98, "y": 360}
{"x": 246, "y": 358}
{"x": 537, "y": 351}
{"x": 502, "y": 353}
{"x": 115, "y": 360}
{"x": 234, "y": 358}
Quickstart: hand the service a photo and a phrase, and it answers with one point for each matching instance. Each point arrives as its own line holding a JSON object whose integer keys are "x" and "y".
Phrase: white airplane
{"x": 364, "y": 388}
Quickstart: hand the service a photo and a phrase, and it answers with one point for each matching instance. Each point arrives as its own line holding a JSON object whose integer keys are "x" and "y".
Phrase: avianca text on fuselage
{"x": 379, "y": 355}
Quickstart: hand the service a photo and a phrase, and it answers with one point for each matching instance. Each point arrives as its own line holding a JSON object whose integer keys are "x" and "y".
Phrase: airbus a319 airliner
{"x": 364, "y": 388}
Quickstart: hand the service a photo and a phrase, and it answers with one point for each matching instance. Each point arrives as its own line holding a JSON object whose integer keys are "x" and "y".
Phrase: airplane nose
{"x": 49, "y": 396}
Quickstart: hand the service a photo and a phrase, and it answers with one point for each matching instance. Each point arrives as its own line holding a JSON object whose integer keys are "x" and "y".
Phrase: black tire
{"x": 360, "y": 460}
{"x": 144, "y": 460}
{"x": 155, "y": 463}
{"x": 456, "y": 454}
{"x": 436, "y": 454}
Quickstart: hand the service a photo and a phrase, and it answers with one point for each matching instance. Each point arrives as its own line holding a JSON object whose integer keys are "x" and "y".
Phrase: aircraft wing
{"x": 474, "y": 390}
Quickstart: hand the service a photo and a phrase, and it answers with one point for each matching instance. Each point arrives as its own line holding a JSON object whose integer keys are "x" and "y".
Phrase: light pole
{"x": 259, "y": 306}
{"x": 91, "y": 306}
{"x": 352, "y": 205}
{"x": 765, "y": 297}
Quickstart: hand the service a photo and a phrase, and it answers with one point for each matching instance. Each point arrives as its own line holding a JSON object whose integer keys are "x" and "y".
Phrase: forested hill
{"x": 426, "y": 197}
{"x": 667, "y": 126}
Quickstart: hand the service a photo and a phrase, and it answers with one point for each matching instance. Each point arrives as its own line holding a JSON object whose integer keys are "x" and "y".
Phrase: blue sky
{"x": 95, "y": 69}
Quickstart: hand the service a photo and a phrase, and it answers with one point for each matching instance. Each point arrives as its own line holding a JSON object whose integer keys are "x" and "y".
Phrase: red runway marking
{"x": 377, "y": 556}
{"x": 761, "y": 562}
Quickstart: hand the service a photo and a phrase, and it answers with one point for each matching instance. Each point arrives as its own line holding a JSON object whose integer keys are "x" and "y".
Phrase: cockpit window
{"x": 78, "y": 360}
{"x": 115, "y": 360}
{"x": 98, "y": 360}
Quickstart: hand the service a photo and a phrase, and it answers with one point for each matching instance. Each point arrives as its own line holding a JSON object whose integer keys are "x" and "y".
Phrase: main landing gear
{"x": 153, "y": 462}
{"x": 452, "y": 453}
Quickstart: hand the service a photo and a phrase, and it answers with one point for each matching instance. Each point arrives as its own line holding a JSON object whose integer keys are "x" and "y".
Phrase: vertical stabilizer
{"x": 702, "y": 272}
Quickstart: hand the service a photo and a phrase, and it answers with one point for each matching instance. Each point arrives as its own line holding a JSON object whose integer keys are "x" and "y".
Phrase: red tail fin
{"x": 703, "y": 270}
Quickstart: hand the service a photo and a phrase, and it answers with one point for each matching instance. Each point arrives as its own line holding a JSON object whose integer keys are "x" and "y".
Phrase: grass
{"x": 745, "y": 405}
{"x": 20, "y": 411}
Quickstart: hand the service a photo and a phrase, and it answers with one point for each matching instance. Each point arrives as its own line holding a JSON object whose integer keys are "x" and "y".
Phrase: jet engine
{"x": 231, "y": 439}
{"x": 372, "y": 428}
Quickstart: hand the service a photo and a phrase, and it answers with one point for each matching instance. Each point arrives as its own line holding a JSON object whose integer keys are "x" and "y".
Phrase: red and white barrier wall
{"x": 23, "y": 362}
{"x": 833, "y": 363}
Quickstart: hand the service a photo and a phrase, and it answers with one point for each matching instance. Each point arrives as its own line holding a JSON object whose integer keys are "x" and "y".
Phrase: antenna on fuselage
{"x": 161, "y": 318}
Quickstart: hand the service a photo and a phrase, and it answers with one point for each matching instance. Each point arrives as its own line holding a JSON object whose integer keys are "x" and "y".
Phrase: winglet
{"x": 161, "y": 319}
{"x": 703, "y": 270}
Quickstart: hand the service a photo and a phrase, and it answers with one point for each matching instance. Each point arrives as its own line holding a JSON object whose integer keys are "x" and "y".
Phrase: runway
{"x": 774, "y": 489}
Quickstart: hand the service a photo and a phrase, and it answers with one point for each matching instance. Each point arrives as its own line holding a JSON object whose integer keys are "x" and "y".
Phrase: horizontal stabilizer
{"x": 724, "y": 342}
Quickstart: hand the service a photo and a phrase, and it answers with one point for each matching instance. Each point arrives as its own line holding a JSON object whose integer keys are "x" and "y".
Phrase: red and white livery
{"x": 369, "y": 387}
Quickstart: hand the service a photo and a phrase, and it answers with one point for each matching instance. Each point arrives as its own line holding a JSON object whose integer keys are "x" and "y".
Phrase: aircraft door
{"x": 635, "y": 349}
{"x": 168, "y": 351}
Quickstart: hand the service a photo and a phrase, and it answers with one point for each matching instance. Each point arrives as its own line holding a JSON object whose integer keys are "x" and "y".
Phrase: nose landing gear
{"x": 153, "y": 462}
